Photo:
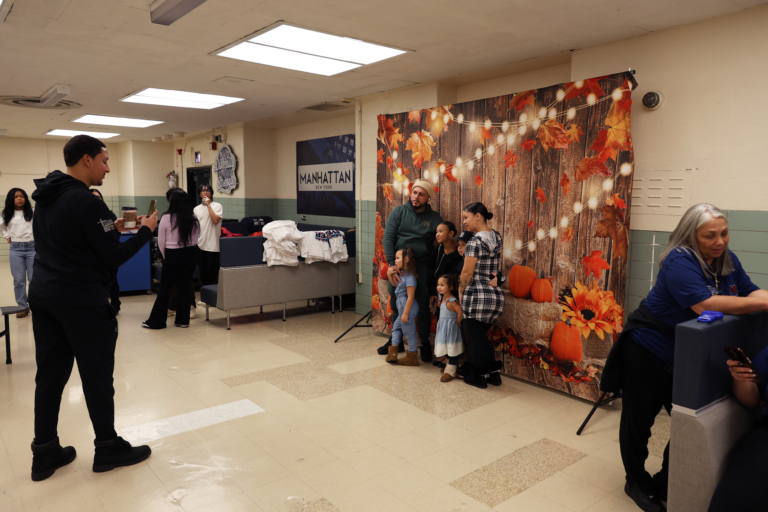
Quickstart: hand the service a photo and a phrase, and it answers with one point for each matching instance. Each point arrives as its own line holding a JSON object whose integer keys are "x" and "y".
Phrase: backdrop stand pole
{"x": 603, "y": 400}
{"x": 367, "y": 316}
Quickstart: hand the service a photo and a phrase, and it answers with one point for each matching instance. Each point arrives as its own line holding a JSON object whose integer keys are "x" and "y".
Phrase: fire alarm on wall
{"x": 212, "y": 146}
{"x": 178, "y": 151}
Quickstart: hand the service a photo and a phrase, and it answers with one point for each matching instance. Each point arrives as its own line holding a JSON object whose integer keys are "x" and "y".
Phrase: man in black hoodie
{"x": 69, "y": 298}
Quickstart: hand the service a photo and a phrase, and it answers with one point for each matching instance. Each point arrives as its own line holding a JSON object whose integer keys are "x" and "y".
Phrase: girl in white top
{"x": 16, "y": 224}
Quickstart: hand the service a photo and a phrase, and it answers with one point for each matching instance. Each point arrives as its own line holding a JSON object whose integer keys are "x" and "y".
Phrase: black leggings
{"x": 179, "y": 265}
{"x": 743, "y": 484}
{"x": 646, "y": 388}
{"x": 483, "y": 355}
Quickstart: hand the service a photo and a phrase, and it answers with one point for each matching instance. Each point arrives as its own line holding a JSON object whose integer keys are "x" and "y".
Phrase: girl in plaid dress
{"x": 481, "y": 302}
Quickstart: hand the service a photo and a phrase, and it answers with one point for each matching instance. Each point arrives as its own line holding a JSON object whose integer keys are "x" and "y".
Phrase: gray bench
{"x": 706, "y": 419}
{"x": 245, "y": 281}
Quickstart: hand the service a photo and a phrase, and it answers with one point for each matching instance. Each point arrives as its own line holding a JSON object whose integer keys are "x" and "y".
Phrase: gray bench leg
{"x": 333, "y": 305}
{"x": 206, "y": 313}
{"x": 283, "y": 311}
{"x": 7, "y": 341}
{"x": 228, "y": 328}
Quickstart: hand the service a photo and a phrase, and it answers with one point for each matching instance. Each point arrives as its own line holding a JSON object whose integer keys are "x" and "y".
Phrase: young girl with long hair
{"x": 16, "y": 223}
{"x": 407, "y": 307}
{"x": 177, "y": 240}
{"x": 448, "y": 336}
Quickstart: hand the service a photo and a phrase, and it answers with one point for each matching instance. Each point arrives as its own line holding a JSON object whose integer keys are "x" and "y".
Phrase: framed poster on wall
{"x": 325, "y": 176}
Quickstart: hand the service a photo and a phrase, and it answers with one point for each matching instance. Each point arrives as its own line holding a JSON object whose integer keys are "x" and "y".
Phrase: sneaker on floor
{"x": 182, "y": 326}
{"x": 646, "y": 502}
{"x": 384, "y": 349}
{"x": 147, "y": 326}
{"x": 171, "y": 313}
{"x": 201, "y": 303}
{"x": 117, "y": 453}
{"x": 193, "y": 312}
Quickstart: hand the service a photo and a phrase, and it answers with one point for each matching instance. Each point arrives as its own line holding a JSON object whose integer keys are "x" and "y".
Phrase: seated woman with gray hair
{"x": 697, "y": 273}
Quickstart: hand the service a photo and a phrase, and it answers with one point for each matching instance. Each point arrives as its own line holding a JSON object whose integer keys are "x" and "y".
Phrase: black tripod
{"x": 367, "y": 317}
{"x": 603, "y": 400}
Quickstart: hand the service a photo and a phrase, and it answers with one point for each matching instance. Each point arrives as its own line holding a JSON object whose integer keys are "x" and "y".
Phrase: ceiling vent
{"x": 34, "y": 102}
{"x": 328, "y": 107}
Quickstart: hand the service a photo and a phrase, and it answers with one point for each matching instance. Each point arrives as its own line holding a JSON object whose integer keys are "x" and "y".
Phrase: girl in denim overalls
{"x": 407, "y": 307}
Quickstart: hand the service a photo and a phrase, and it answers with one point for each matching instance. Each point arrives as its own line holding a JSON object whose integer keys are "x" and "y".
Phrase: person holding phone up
{"x": 209, "y": 214}
{"x": 742, "y": 486}
{"x": 697, "y": 273}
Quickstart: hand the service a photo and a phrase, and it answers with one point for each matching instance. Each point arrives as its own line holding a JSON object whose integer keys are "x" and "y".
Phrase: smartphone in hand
{"x": 152, "y": 206}
{"x": 736, "y": 354}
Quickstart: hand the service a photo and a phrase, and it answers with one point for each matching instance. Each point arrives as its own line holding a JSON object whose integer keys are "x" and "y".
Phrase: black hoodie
{"x": 74, "y": 245}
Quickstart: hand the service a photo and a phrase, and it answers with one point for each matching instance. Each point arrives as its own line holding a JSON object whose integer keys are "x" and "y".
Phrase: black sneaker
{"x": 473, "y": 379}
{"x": 117, "y": 453}
{"x": 382, "y": 350}
{"x": 646, "y": 502}
{"x": 426, "y": 353}
{"x": 48, "y": 457}
{"x": 494, "y": 379}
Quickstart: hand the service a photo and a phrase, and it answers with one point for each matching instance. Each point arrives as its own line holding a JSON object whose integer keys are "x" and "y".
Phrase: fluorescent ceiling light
{"x": 72, "y": 133}
{"x": 287, "y": 59}
{"x": 116, "y": 121}
{"x": 170, "y": 98}
{"x": 325, "y": 45}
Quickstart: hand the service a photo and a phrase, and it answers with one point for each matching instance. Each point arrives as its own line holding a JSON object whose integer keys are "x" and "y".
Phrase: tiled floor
{"x": 341, "y": 431}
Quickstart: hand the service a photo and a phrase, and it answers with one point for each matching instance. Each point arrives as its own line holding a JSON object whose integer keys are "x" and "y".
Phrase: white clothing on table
{"x": 314, "y": 249}
{"x": 19, "y": 229}
{"x": 209, "y": 232}
{"x": 281, "y": 244}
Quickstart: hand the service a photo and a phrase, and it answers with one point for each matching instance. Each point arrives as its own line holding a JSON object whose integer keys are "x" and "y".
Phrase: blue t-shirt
{"x": 682, "y": 283}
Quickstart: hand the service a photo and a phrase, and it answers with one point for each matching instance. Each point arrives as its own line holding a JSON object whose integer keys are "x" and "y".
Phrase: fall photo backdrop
{"x": 555, "y": 166}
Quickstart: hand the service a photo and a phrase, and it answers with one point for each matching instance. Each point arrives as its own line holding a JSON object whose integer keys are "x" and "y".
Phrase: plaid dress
{"x": 481, "y": 301}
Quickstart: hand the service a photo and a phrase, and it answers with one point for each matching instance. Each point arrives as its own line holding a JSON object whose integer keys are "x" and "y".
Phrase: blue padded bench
{"x": 245, "y": 281}
{"x": 706, "y": 419}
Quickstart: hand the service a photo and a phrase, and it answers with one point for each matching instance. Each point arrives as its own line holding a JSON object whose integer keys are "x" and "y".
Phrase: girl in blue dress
{"x": 405, "y": 294}
{"x": 448, "y": 337}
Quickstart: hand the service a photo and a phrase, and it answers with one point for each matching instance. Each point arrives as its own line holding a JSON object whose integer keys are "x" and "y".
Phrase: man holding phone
{"x": 209, "y": 213}
{"x": 76, "y": 254}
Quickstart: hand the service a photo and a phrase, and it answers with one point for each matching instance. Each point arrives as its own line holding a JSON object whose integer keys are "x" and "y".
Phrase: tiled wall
{"x": 367, "y": 210}
{"x": 749, "y": 240}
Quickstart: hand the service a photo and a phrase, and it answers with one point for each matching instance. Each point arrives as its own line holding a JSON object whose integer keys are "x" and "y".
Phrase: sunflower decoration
{"x": 590, "y": 309}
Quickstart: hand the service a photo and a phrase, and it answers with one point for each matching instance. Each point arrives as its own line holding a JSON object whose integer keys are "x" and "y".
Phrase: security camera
{"x": 652, "y": 100}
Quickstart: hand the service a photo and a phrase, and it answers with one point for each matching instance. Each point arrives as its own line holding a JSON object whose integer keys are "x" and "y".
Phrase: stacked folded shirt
{"x": 281, "y": 245}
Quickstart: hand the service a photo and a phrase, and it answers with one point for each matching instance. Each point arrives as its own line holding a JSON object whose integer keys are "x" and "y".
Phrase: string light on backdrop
{"x": 549, "y": 112}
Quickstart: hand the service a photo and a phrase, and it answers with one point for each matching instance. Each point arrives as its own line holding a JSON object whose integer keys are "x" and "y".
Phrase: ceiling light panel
{"x": 116, "y": 121}
{"x": 171, "y": 98}
{"x": 72, "y": 133}
{"x": 287, "y": 59}
{"x": 325, "y": 45}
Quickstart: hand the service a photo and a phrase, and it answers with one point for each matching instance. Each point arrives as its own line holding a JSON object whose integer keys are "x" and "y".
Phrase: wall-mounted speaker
{"x": 652, "y": 100}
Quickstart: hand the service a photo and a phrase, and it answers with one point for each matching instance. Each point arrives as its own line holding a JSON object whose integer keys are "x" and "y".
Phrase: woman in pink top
{"x": 177, "y": 240}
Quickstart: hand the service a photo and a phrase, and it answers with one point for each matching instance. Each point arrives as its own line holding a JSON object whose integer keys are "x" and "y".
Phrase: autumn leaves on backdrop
{"x": 551, "y": 135}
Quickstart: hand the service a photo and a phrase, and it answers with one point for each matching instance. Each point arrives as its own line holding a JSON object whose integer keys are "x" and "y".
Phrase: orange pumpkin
{"x": 566, "y": 343}
{"x": 521, "y": 280}
{"x": 383, "y": 268}
{"x": 541, "y": 291}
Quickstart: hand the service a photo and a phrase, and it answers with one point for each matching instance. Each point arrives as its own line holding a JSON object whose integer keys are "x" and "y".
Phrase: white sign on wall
{"x": 335, "y": 177}
{"x": 225, "y": 168}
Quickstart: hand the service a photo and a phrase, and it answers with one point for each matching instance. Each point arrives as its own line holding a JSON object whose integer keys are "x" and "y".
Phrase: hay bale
{"x": 596, "y": 349}
{"x": 532, "y": 321}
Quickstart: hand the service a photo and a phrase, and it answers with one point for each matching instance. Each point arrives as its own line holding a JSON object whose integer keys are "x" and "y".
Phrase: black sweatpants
{"x": 114, "y": 295}
{"x": 209, "y": 266}
{"x": 483, "y": 354}
{"x": 743, "y": 484}
{"x": 646, "y": 388}
{"x": 61, "y": 336}
{"x": 178, "y": 267}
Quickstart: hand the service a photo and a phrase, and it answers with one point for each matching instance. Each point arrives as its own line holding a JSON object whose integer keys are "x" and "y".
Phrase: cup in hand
{"x": 130, "y": 213}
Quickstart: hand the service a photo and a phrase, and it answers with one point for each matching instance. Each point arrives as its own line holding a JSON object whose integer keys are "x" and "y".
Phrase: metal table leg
{"x": 283, "y": 311}
{"x": 206, "y": 313}
{"x": 228, "y": 327}
{"x": 7, "y": 341}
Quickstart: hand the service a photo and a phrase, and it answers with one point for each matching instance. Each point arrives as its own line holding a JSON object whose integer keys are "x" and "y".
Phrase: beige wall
{"x": 23, "y": 160}
{"x": 261, "y": 173}
{"x": 150, "y": 163}
{"x": 285, "y": 149}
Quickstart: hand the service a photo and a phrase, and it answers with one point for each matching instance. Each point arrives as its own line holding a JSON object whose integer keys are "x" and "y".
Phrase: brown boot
{"x": 449, "y": 374}
{"x": 392, "y": 354}
{"x": 410, "y": 359}
{"x": 22, "y": 314}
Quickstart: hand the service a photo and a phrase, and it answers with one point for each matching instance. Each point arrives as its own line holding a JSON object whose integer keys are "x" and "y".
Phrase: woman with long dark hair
{"x": 16, "y": 223}
{"x": 481, "y": 302}
{"x": 177, "y": 240}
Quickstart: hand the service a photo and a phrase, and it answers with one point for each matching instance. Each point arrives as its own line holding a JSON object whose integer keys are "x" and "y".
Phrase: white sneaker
{"x": 171, "y": 312}
{"x": 201, "y": 303}
{"x": 192, "y": 312}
